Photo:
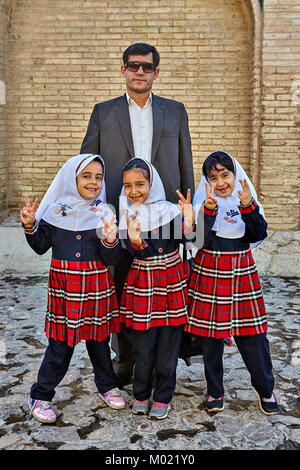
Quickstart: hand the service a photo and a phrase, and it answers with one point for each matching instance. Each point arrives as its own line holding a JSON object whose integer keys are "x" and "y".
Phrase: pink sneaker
{"x": 159, "y": 410}
{"x": 113, "y": 398}
{"x": 140, "y": 407}
{"x": 41, "y": 410}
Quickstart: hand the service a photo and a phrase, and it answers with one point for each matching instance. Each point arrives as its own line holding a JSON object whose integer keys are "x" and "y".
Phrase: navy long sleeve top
{"x": 255, "y": 230}
{"x": 72, "y": 246}
{"x": 158, "y": 242}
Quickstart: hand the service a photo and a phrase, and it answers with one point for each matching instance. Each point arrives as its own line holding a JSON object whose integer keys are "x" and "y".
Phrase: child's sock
{"x": 269, "y": 400}
{"x": 209, "y": 398}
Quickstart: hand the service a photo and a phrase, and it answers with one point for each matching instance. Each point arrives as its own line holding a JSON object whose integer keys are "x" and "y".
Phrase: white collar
{"x": 131, "y": 101}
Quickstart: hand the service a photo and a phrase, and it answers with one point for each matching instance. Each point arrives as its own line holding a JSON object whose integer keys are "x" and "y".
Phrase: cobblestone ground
{"x": 85, "y": 422}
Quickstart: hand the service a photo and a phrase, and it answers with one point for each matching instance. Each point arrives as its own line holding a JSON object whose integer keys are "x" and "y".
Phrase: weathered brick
{"x": 60, "y": 58}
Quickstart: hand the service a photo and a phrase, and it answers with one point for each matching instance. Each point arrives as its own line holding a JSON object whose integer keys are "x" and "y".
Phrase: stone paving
{"x": 86, "y": 423}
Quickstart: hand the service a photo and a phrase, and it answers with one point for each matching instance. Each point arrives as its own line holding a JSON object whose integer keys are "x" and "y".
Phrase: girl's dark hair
{"x": 215, "y": 158}
{"x": 97, "y": 159}
{"x": 141, "y": 48}
{"x": 137, "y": 164}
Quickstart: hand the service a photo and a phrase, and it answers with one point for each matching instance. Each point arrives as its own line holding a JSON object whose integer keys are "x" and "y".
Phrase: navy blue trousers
{"x": 255, "y": 352}
{"x": 156, "y": 348}
{"x": 56, "y": 363}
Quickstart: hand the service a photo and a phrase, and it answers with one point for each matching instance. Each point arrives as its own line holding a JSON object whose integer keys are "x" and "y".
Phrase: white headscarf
{"x": 155, "y": 211}
{"x": 63, "y": 206}
{"x": 228, "y": 223}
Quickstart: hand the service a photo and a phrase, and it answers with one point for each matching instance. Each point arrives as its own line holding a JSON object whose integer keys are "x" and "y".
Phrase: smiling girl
{"x": 82, "y": 303}
{"x": 225, "y": 296}
{"x": 153, "y": 305}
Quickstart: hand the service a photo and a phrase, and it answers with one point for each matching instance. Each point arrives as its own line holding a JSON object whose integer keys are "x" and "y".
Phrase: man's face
{"x": 139, "y": 81}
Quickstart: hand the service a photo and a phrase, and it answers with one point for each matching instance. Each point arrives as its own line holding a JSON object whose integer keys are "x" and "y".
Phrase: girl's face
{"x": 136, "y": 186}
{"x": 89, "y": 181}
{"x": 222, "y": 180}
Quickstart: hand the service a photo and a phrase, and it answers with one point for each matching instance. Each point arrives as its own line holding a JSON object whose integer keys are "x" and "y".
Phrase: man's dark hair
{"x": 217, "y": 157}
{"x": 141, "y": 48}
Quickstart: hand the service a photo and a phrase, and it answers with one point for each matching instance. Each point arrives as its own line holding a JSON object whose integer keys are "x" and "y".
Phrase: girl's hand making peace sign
{"x": 27, "y": 214}
{"x": 109, "y": 229}
{"x": 134, "y": 229}
{"x": 186, "y": 208}
{"x": 245, "y": 195}
{"x": 210, "y": 201}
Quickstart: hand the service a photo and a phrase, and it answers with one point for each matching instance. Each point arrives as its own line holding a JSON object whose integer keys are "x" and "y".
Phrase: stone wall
{"x": 279, "y": 254}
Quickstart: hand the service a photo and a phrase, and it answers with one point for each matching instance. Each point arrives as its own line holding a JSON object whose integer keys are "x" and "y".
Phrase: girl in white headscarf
{"x": 75, "y": 222}
{"x": 224, "y": 295}
{"x": 153, "y": 305}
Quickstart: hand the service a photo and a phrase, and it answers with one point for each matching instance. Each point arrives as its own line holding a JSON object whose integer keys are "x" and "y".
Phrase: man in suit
{"x": 139, "y": 124}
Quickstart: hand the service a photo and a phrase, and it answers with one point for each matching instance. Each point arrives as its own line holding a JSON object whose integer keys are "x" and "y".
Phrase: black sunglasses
{"x": 148, "y": 67}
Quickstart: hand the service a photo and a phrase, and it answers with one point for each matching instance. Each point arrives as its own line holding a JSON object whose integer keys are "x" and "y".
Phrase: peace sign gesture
{"x": 245, "y": 195}
{"x": 109, "y": 229}
{"x": 210, "y": 201}
{"x": 186, "y": 208}
{"x": 134, "y": 228}
{"x": 27, "y": 214}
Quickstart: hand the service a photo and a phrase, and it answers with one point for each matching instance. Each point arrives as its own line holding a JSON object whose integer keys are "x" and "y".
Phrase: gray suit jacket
{"x": 109, "y": 134}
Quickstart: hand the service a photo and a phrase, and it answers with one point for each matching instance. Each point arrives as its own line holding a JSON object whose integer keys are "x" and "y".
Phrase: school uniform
{"x": 155, "y": 289}
{"x": 82, "y": 303}
{"x": 224, "y": 296}
{"x": 153, "y": 305}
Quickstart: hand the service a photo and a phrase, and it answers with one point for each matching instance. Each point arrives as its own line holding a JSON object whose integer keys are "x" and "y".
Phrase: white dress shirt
{"x": 141, "y": 121}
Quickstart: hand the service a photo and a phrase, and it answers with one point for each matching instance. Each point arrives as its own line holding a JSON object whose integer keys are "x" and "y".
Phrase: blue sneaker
{"x": 268, "y": 407}
{"x": 213, "y": 405}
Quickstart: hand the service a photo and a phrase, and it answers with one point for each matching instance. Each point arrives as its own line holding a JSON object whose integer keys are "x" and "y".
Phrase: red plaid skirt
{"x": 82, "y": 302}
{"x": 224, "y": 296}
{"x": 155, "y": 293}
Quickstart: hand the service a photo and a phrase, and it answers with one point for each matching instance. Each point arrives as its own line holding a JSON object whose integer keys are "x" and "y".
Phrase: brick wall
{"x": 280, "y": 178}
{"x": 64, "y": 56}
{"x": 4, "y": 14}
